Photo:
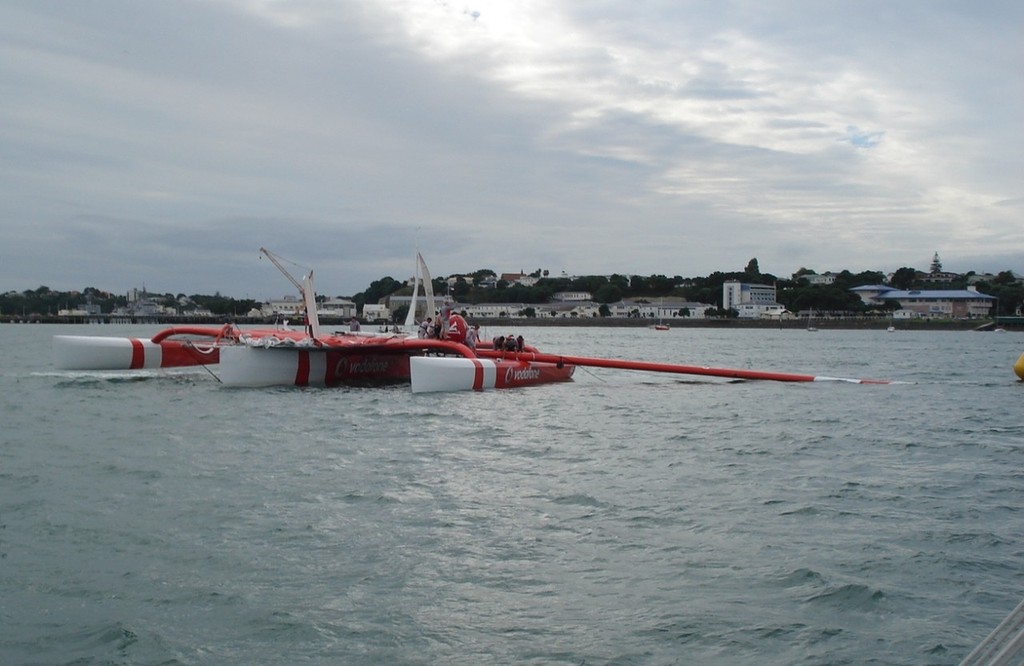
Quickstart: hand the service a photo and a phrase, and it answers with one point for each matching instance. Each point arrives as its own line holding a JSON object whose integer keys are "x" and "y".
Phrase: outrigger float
{"x": 281, "y": 356}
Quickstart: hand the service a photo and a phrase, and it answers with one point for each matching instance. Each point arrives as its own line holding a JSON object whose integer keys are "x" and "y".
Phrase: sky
{"x": 161, "y": 144}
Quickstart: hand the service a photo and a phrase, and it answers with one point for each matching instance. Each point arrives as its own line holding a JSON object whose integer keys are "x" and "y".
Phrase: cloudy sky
{"x": 163, "y": 143}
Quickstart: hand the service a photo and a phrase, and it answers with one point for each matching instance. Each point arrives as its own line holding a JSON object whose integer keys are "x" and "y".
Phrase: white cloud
{"x": 591, "y": 137}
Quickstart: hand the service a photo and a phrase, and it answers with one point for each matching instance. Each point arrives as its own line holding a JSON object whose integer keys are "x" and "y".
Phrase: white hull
{"x": 432, "y": 374}
{"x": 86, "y": 352}
{"x": 254, "y": 366}
{"x": 447, "y": 373}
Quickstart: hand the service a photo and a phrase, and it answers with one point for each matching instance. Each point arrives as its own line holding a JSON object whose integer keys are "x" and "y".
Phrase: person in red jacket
{"x": 456, "y": 328}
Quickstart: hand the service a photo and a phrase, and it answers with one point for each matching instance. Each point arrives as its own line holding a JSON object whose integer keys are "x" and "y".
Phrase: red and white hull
{"x": 445, "y": 373}
{"x": 86, "y": 352}
{"x": 280, "y": 357}
{"x": 256, "y": 366}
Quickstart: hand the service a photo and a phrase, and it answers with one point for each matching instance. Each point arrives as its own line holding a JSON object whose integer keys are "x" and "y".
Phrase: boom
{"x": 647, "y": 366}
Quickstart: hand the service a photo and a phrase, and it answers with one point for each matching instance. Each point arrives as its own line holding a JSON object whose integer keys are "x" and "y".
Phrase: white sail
{"x": 422, "y": 275}
{"x": 428, "y": 287}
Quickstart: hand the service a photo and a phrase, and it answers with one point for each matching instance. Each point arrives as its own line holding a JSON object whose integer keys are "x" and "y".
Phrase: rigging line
{"x": 190, "y": 344}
{"x": 592, "y": 373}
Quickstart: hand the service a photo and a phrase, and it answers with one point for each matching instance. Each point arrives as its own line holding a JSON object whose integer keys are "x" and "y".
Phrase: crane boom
{"x": 306, "y": 292}
{"x": 274, "y": 260}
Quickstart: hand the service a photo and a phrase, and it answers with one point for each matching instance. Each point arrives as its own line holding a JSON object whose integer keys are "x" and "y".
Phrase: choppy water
{"x": 623, "y": 519}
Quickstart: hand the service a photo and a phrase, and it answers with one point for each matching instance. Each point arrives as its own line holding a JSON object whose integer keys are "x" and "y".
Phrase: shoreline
{"x": 606, "y": 322}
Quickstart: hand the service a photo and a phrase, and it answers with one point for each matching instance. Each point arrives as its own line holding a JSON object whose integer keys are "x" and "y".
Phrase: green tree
{"x": 609, "y": 293}
{"x": 752, "y": 271}
{"x": 904, "y": 278}
{"x": 377, "y": 290}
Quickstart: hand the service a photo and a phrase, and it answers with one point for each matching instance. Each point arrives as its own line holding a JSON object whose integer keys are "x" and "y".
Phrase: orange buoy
{"x": 1018, "y": 367}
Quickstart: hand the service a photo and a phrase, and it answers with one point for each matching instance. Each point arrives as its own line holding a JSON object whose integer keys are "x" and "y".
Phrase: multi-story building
{"x": 751, "y": 301}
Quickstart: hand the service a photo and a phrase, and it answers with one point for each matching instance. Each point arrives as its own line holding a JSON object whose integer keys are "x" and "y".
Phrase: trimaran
{"x": 282, "y": 356}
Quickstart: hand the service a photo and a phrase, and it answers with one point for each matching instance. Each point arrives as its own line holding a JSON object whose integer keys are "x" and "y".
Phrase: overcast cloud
{"x": 163, "y": 143}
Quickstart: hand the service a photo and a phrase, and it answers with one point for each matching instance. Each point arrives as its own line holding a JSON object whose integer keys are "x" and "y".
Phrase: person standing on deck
{"x": 446, "y": 312}
{"x": 473, "y": 337}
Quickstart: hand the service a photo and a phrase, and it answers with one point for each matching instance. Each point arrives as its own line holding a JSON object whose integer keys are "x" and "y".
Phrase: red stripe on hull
{"x": 138, "y": 355}
{"x": 302, "y": 373}
{"x": 478, "y": 375}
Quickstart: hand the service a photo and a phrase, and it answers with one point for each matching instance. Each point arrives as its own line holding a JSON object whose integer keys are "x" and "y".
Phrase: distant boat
{"x": 810, "y": 321}
{"x": 660, "y": 326}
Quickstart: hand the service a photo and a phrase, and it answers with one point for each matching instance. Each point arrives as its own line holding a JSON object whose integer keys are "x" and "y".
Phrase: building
{"x": 661, "y": 309}
{"x": 289, "y": 306}
{"x": 518, "y": 278}
{"x": 751, "y": 301}
{"x": 376, "y": 312}
{"x": 812, "y": 278}
{"x": 945, "y": 303}
{"x": 571, "y": 296}
{"x": 824, "y": 279}
{"x": 340, "y": 308}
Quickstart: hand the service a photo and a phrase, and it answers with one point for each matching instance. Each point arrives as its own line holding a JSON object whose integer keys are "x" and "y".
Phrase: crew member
{"x": 473, "y": 337}
{"x": 457, "y": 328}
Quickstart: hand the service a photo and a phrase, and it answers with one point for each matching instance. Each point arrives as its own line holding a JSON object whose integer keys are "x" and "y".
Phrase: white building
{"x": 336, "y": 307}
{"x": 751, "y": 301}
{"x": 376, "y": 312}
{"x": 288, "y": 306}
{"x": 660, "y": 309}
{"x": 567, "y": 296}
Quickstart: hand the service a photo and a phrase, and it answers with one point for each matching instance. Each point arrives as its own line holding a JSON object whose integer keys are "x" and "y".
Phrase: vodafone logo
{"x": 368, "y": 366}
{"x": 523, "y": 375}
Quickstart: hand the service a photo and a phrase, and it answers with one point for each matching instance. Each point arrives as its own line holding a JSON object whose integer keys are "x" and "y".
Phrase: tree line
{"x": 483, "y": 286}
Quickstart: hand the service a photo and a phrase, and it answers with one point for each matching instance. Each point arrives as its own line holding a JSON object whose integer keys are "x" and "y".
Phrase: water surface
{"x": 625, "y": 518}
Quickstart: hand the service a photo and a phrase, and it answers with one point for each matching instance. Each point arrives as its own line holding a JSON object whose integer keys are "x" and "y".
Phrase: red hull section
{"x": 74, "y": 352}
{"x": 353, "y": 368}
{"x": 447, "y": 373}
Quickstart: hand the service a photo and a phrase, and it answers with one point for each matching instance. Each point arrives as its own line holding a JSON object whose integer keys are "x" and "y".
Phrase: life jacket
{"x": 457, "y": 328}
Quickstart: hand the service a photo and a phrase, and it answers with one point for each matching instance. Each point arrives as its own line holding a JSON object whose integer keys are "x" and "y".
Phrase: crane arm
{"x": 274, "y": 260}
